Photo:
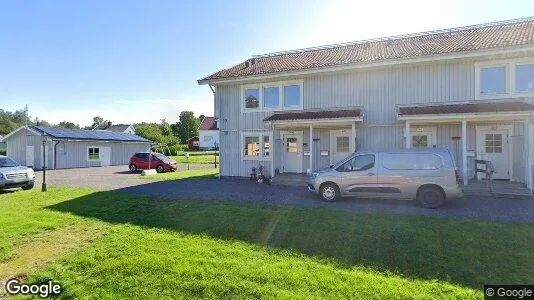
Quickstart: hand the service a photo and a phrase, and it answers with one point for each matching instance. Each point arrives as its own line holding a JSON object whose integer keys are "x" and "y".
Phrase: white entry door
{"x": 492, "y": 145}
{"x": 423, "y": 137}
{"x": 30, "y": 156}
{"x": 105, "y": 156}
{"x": 292, "y": 153}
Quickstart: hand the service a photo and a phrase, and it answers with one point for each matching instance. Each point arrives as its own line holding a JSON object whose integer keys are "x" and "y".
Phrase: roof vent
{"x": 250, "y": 62}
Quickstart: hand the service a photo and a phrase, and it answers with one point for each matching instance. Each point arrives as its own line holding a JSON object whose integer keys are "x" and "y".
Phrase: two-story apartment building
{"x": 470, "y": 89}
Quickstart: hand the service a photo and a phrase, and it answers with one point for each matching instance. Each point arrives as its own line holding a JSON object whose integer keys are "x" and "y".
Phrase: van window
{"x": 358, "y": 163}
{"x": 411, "y": 161}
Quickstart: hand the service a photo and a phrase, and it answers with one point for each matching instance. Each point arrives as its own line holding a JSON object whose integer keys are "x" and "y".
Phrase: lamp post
{"x": 187, "y": 159}
{"x": 43, "y": 186}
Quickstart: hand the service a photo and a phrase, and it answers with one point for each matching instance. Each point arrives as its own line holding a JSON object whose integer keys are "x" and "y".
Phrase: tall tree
{"x": 98, "y": 123}
{"x": 41, "y": 123}
{"x": 200, "y": 118}
{"x": 69, "y": 125}
{"x": 187, "y": 125}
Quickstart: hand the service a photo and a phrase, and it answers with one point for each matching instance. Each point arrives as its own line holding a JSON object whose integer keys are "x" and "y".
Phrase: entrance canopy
{"x": 323, "y": 118}
{"x": 486, "y": 111}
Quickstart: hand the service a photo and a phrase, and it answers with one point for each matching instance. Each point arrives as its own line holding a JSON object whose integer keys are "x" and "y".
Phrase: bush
{"x": 3, "y": 152}
{"x": 170, "y": 150}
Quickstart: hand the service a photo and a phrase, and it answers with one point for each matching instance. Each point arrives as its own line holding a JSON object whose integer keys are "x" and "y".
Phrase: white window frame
{"x": 510, "y": 85}
{"x": 260, "y": 135}
{"x": 280, "y": 85}
{"x": 99, "y": 153}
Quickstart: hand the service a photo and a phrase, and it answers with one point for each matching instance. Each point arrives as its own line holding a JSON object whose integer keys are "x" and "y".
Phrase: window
{"x": 93, "y": 154}
{"x": 271, "y": 97}
{"x": 493, "y": 80}
{"x": 524, "y": 78}
{"x": 358, "y": 163}
{"x": 342, "y": 144}
{"x": 493, "y": 142}
{"x": 266, "y": 146}
{"x": 512, "y": 78}
{"x": 411, "y": 161}
{"x": 252, "y": 98}
{"x": 256, "y": 145}
{"x": 291, "y": 95}
{"x": 208, "y": 138}
{"x": 292, "y": 145}
{"x": 252, "y": 146}
{"x": 419, "y": 141}
{"x": 285, "y": 95}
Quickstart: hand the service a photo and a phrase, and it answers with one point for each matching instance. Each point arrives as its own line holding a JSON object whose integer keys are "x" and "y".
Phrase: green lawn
{"x": 112, "y": 245}
{"x": 204, "y": 173}
{"x": 197, "y": 158}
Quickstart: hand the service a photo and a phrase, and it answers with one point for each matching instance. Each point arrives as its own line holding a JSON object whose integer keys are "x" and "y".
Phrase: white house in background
{"x": 72, "y": 148}
{"x": 470, "y": 89}
{"x": 121, "y": 128}
{"x": 208, "y": 134}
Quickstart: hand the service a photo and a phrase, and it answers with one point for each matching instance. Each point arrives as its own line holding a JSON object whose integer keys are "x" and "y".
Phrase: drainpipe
{"x": 218, "y": 118}
{"x": 55, "y": 154}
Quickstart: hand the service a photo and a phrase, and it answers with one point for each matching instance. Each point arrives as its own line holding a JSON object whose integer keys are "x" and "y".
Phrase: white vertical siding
{"x": 378, "y": 91}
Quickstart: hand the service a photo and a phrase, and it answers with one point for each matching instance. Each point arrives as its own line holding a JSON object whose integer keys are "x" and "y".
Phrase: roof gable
{"x": 208, "y": 123}
{"x": 488, "y": 36}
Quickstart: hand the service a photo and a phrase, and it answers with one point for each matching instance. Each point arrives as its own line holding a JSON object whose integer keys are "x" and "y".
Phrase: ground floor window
{"x": 93, "y": 153}
{"x": 256, "y": 145}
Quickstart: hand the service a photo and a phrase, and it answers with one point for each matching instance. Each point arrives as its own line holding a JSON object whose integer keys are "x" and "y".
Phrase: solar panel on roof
{"x": 80, "y": 134}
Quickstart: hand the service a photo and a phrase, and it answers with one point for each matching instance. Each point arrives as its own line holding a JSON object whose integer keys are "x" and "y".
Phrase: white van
{"x": 428, "y": 175}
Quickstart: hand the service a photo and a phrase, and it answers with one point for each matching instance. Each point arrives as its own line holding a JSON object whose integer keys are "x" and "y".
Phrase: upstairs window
{"x": 292, "y": 95}
{"x": 493, "y": 80}
{"x": 524, "y": 78}
{"x": 271, "y": 96}
{"x": 508, "y": 78}
{"x": 252, "y": 98}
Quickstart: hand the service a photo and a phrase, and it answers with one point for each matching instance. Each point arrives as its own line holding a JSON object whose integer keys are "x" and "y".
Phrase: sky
{"x": 131, "y": 61}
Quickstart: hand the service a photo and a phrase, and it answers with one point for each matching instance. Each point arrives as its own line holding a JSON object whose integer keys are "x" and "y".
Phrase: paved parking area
{"x": 101, "y": 178}
{"x": 242, "y": 190}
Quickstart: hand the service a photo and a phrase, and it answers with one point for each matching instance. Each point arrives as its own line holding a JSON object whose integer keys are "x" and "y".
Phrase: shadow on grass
{"x": 464, "y": 252}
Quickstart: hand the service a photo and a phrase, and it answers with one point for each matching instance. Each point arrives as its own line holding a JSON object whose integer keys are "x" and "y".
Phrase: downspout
{"x": 218, "y": 118}
{"x": 55, "y": 153}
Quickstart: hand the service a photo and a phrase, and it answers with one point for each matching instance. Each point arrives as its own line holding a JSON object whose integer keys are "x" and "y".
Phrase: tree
{"x": 66, "y": 124}
{"x": 43, "y": 123}
{"x": 98, "y": 123}
{"x": 158, "y": 133}
{"x": 187, "y": 126}
{"x": 200, "y": 118}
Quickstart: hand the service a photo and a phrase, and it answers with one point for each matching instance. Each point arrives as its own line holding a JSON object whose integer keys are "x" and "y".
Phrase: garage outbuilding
{"x": 71, "y": 148}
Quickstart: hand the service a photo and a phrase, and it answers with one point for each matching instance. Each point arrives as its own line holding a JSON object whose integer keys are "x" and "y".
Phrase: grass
{"x": 124, "y": 246}
{"x": 204, "y": 157}
{"x": 203, "y": 173}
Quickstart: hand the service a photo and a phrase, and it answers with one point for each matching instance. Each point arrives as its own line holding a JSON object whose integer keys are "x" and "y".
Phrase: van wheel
{"x": 430, "y": 197}
{"x": 329, "y": 192}
{"x": 132, "y": 167}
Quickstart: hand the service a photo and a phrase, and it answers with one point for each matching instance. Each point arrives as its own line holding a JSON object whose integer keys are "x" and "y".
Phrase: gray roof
{"x": 497, "y": 35}
{"x": 89, "y": 135}
{"x": 117, "y": 128}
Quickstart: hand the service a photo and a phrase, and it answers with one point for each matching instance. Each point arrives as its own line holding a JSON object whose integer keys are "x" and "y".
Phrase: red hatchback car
{"x": 158, "y": 161}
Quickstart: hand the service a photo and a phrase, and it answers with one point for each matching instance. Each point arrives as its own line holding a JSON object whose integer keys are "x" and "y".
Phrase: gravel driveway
{"x": 243, "y": 190}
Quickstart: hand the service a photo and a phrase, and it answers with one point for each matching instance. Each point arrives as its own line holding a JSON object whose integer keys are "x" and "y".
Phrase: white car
{"x": 13, "y": 175}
